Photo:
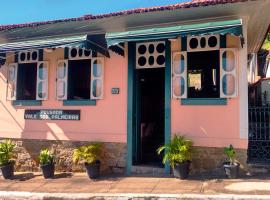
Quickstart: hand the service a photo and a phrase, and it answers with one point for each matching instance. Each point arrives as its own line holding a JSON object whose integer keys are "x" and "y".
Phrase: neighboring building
{"x": 132, "y": 80}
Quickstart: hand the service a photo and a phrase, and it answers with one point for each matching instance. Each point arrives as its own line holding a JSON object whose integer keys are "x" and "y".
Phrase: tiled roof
{"x": 190, "y": 4}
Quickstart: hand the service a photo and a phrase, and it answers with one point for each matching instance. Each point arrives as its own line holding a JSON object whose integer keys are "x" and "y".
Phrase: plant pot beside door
{"x": 46, "y": 163}
{"x": 231, "y": 168}
{"x": 178, "y": 154}
{"x": 6, "y": 162}
{"x": 90, "y": 156}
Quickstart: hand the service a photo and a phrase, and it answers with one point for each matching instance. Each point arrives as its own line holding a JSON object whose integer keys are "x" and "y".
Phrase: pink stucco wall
{"x": 213, "y": 126}
{"x": 104, "y": 122}
{"x": 210, "y": 125}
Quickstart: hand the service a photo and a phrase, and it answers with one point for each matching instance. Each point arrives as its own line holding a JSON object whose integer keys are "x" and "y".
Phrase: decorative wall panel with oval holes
{"x": 203, "y": 43}
{"x": 76, "y": 53}
{"x": 28, "y": 56}
{"x": 12, "y": 81}
{"x": 42, "y": 81}
{"x": 228, "y": 72}
{"x": 179, "y": 75}
{"x": 150, "y": 55}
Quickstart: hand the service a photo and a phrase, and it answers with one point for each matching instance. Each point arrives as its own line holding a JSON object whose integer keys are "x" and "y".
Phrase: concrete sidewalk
{"x": 78, "y": 186}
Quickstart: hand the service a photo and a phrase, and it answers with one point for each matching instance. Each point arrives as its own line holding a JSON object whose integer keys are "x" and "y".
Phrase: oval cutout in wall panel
{"x": 203, "y": 43}
{"x": 150, "y": 55}
{"x": 28, "y": 56}
{"x": 76, "y": 53}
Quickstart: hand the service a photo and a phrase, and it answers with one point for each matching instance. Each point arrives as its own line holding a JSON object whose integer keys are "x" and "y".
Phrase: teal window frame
{"x": 27, "y": 103}
{"x": 84, "y": 102}
{"x": 204, "y": 101}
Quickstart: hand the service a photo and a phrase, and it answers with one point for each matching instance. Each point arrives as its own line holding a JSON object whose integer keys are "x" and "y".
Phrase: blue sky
{"x": 21, "y": 11}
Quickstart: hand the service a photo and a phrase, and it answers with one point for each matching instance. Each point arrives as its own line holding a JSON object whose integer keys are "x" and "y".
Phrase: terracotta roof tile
{"x": 190, "y": 4}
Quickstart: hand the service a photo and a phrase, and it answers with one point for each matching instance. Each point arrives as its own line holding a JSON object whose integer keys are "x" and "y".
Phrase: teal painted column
{"x": 130, "y": 110}
{"x": 167, "y": 98}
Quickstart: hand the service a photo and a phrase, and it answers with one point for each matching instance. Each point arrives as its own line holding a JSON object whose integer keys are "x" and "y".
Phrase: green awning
{"x": 222, "y": 27}
{"x": 93, "y": 42}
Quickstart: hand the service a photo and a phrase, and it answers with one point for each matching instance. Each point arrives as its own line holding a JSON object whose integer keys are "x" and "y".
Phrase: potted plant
{"x": 90, "y": 155}
{"x": 231, "y": 168}
{"x": 178, "y": 153}
{"x": 46, "y": 163}
{"x": 6, "y": 155}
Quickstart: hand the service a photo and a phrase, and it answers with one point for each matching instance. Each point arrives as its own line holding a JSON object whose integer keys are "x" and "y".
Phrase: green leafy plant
{"x": 45, "y": 157}
{"x": 6, "y": 152}
{"x": 88, "y": 153}
{"x": 266, "y": 44}
{"x": 179, "y": 150}
{"x": 230, "y": 153}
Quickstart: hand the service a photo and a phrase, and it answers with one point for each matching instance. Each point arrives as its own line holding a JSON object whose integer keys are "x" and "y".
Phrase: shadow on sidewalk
{"x": 24, "y": 176}
{"x": 62, "y": 175}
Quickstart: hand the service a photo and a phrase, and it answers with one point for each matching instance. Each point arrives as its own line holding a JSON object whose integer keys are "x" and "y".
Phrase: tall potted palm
{"x": 178, "y": 154}
{"x": 6, "y": 155}
{"x": 46, "y": 163}
{"x": 90, "y": 155}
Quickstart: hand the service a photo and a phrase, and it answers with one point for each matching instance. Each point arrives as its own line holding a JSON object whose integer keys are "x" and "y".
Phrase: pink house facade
{"x": 132, "y": 80}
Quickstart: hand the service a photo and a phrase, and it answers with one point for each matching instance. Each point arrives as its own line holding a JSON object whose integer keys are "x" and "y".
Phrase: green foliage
{"x": 88, "y": 153}
{"x": 6, "y": 152}
{"x": 178, "y": 150}
{"x": 45, "y": 157}
{"x": 266, "y": 44}
{"x": 230, "y": 153}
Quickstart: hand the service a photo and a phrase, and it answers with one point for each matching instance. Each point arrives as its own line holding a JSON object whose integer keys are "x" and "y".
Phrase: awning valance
{"x": 222, "y": 27}
{"x": 94, "y": 42}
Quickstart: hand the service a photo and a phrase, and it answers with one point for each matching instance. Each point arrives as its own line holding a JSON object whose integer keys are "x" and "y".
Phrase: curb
{"x": 4, "y": 195}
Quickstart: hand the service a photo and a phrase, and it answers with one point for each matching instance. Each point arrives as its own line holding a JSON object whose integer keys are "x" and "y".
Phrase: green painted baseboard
{"x": 79, "y": 102}
{"x": 27, "y": 103}
{"x": 204, "y": 101}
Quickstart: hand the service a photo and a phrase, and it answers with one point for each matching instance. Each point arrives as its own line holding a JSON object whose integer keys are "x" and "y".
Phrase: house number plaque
{"x": 115, "y": 90}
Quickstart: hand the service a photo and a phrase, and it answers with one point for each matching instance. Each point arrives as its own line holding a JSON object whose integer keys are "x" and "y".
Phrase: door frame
{"x": 131, "y": 104}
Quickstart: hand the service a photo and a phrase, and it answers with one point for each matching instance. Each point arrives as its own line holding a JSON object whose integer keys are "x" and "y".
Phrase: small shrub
{"x": 178, "y": 150}
{"x": 6, "y": 152}
{"x": 230, "y": 153}
{"x": 88, "y": 153}
{"x": 45, "y": 157}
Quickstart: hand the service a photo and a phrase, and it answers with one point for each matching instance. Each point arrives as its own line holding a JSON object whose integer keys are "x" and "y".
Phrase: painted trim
{"x": 204, "y": 101}
{"x": 26, "y": 103}
{"x": 243, "y": 87}
{"x": 223, "y": 41}
{"x": 167, "y": 98}
{"x": 184, "y": 43}
{"x": 16, "y": 56}
{"x": 130, "y": 109}
{"x": 66, "y": 50}
{"x": 40, "y": 55}
{"x": 79, "y": 102}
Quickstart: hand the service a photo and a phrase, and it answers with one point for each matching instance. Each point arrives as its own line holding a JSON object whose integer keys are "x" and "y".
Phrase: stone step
{"x": 259, "y": 168}
{"x": 147, "y": 170}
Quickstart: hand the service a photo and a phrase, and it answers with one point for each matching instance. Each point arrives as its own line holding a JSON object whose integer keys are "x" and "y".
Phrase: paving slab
{"x": 79, "y": 186}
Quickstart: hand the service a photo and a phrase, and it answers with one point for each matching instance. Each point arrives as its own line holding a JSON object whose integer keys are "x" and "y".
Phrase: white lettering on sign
{"x": 52, "y": 114}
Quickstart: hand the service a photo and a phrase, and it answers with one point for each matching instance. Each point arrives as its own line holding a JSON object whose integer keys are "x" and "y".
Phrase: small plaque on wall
{"x": 115, "y": 90}
{"x": 52, "y": 114}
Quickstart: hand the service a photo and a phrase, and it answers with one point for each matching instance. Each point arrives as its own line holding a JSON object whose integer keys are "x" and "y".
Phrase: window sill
{"x": 79, "y": 102}
{"x": 204, "y": 101}
{"x": 27, "y": 103}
